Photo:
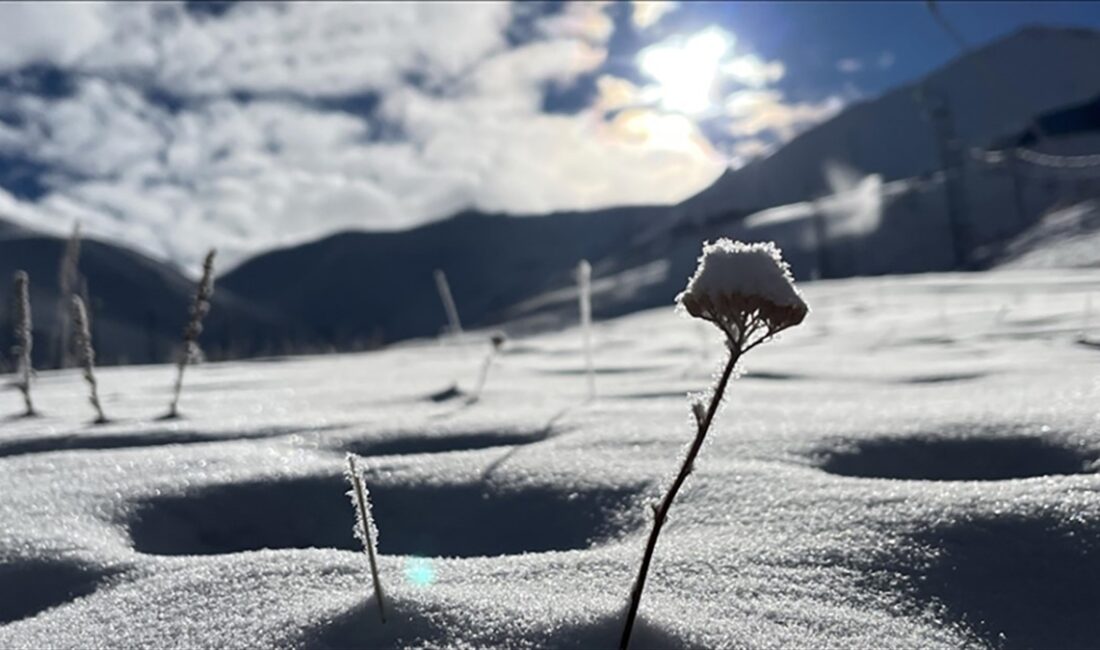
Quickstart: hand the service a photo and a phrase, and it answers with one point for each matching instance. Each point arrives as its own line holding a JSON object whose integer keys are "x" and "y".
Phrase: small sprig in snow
{"x": 746, "y": 290}
{"x": 85, "y": 353}
{"x": 365, "y": 530}
{"x": 24, "y": 339}
{"x": 454, "y": 327}
{"x": 200, "y": 306}
{"x": 68, "y": 281}
{"x": 584, "y": 296}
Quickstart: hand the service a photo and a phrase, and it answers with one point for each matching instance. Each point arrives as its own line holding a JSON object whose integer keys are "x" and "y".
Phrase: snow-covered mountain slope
{"x": 914, "y": 467}
{"x": 862, "y": 173}
{"x": 869, "y": 172}
{"x": 989, "y": 92}
{"x": 1067, "y": 237}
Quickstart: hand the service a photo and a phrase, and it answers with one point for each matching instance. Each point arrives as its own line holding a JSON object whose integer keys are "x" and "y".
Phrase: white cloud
{"x": 753, "y": 71}
{"x": 463, "y": 105}
{"x": 745, "y": 150}
{"x": 325, "y": 48}
{"x": 849, "y": 65}
{"x": 647, "y": 13}
{"x": 584, "y": 19}
{"x": 55, "y": 32}
{"x": 759, "y": 111}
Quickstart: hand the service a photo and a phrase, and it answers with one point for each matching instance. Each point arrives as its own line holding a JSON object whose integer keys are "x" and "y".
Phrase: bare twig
{"x": 365, "y": 530}
{"x": 86, "y": 353}
{"x": 24, "y": 339}
{"x": 200, "y": 306}
{"x": 660, "y": 511}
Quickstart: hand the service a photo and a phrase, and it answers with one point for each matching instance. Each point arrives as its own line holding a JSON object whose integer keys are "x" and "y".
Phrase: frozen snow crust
{"x": 913, "y": 467}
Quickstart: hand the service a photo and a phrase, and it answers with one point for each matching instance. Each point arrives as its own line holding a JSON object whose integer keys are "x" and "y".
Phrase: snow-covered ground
{"x": 912, "y": 467}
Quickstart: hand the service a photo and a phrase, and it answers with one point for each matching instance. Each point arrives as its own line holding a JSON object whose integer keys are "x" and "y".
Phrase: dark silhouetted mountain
{"x": 356, "y": 287}
{"x": 138, "y": 305}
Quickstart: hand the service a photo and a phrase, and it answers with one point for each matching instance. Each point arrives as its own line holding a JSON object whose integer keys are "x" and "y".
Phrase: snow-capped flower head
{"x": 745, "y": 289}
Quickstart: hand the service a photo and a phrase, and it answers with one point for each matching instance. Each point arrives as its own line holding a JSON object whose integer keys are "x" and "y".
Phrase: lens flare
{"x": 419, "y": 571}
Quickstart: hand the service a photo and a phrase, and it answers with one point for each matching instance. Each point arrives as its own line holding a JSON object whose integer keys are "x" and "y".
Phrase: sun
{"x": 685, "y": 71}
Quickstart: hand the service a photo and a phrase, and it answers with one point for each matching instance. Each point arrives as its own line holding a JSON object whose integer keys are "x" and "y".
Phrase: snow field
{"x": 914, "y": 466}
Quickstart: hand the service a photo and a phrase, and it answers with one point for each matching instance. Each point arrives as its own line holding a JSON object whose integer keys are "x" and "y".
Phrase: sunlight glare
{"x": 686, "y": 71}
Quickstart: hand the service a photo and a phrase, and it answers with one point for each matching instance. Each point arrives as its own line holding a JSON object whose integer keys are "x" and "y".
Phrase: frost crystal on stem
{"x": 365, "y": 531}
{"x": 24, "y": 340}
{"x": 82, "y": 343}
{"x": 747, "y": 291}
{"x": 200, "y": 306}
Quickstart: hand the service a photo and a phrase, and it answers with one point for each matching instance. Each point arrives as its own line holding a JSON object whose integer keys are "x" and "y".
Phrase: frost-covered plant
{"x": 200, "y": 306}
{"x": 85, "y": 353}
{"x": 68, "y": 281}
{"x": 454, "y": 324}
{"x": 746, "y": 290}
{"x": 584, "y": 295}
{"x": 496, "y": 342}
{"x": 24, "y": 339}
{"x": 365, "y": 530}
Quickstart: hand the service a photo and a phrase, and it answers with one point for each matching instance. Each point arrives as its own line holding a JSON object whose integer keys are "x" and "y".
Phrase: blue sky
{"x": 176, "y": 127}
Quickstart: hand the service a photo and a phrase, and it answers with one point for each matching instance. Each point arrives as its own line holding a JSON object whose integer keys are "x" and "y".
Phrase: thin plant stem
{"x": 483, "y": 375}
{"x": 200, "y": 306}
{"x": 24, "y": 339}
{"x": 448, "y": 300}
{"x": 584, "y": 293}
{"x": 86, "y": 354}
{"x": 365, "y": 521}
{"x": 660, "y": 511}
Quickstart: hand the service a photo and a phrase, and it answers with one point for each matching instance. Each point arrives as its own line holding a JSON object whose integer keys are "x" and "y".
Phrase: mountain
{"x": 886, "y": 213}
{"x": 138, "y": 305}
{"x": 863, "y": 193}
{"x": 979, "y": 96}
{"x": 355, "y": 288}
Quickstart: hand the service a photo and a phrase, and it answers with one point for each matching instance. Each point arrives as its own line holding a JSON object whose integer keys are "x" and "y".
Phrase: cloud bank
{"x": 176, "y": 127}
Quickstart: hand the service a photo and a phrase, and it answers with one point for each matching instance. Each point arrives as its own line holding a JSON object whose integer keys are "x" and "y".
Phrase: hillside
{"x": 138, "y": 305}
{"x": 357, "y": 286}
{"x": 857, "y": 195}
{"x": 989, "y": 92}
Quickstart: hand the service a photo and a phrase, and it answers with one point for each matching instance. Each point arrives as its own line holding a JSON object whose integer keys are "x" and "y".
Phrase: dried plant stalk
{"x": 24, "y": 339}
{"x": 365, "y": 529}
{"x": 748, "y": 293}
{"x": 68, "y": 283}
{"x": 444, "y": 288}
{"x": 584, "y": 296}
{"x": 200, "y": 306}
{"x": 85, "y": 353}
